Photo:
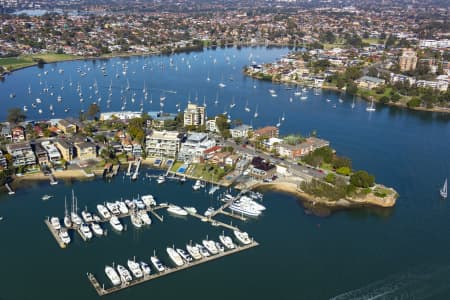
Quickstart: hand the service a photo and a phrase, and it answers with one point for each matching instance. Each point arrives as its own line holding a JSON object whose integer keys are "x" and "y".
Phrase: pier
{"x": 213, "y": 222}
{"x": 136, "y": 171}
{"x": 55, "y": 234}
{"x": 101, "y": 291}
{"x": 10, "y": 190}
{"x": 53, "y": 180}
{"x": 228, "y": 203}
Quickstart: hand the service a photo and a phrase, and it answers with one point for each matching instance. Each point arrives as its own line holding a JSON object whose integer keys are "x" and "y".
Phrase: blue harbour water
{"x": 399, "y": 253}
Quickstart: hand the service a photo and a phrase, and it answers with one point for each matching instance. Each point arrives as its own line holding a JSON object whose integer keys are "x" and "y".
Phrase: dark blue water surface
{"x": 396, "y": 254}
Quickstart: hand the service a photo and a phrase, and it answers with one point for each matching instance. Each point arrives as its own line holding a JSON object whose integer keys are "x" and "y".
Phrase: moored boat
{"x": 86, "y": 231}
{"x": 144, "y": 217}
{"x": 194, "y": 252}
{"x": 97, "y": 229}
{"x": 184, "y": 255}
{"x": 64, "y": 235}
{"x": 103, "y": 211}
{"x": 174, "y": 209}
{"x": 175, "y": 257}
{"x": 135, "y": 268}
{"x": 227, "y": 241}
{"x": 210, "y": 246}
{"x": 145, "y": 268}
{"x": 124, "y": 274}
{"x": 202, "y": 250}
{"x": 54, "y": 221}
{"x": 115, "y": 223}
{"x": 242, "y": 237}
{"x": 157, "y": 264}
{"x": 112, "y": 275}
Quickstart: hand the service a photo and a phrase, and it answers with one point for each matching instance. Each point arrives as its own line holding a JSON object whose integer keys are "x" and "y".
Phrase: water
{"x": 390, "y": 254}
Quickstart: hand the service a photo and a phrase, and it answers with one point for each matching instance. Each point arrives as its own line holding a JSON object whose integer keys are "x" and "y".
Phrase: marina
{"x": 101, "y": 291}
{"x": 350, "y": 128}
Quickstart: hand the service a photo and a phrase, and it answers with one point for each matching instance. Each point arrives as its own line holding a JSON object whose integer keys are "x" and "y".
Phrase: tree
{"x": 351, "y": 88}
{"x": 15, "y": 115}
{"x": 330, "y": 178}
{"x": 344, "y": 171}
{"x": 384, "y": 99}
{"x": 341, "y": 161}
{"x": 414, "y": 102}
{"x": 362, "y": 179}
{"x": 93, "y": 110}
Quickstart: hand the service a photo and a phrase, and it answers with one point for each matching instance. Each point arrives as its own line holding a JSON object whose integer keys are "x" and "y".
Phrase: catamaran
{"x": 443, "y": 190}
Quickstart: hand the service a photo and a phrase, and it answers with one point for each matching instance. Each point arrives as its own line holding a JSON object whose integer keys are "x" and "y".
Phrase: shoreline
{"x": 291, "y": 188}
{"x": 438, "y": 109}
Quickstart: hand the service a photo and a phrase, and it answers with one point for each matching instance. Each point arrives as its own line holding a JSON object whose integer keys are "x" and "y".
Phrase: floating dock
{"x": 101, "y": 291}
{"x": 10, "y": 190}
{"x": 213, "y": 222}
{"x": 55, "y": 234}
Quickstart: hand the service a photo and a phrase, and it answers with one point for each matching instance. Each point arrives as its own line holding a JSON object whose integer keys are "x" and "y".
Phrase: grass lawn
{"x": 13, "y": 63}
{"x": 198, "y": 172}
{"x": 176, "y": 165}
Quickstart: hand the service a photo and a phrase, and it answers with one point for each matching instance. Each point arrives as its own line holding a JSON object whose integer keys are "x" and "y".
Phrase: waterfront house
{"x": 6, "y": 132}
{"x": 241, "y": 131}
{"x": 3, "y": 161}
{"x": 194, "y": 146}
{"x": 137, "y": 149}
{"x": 86, "y": 150}
{"x": 163, "y": 143}
{"x": 369, "y": 82}
{"x": 53, "y": 153}
{"x": 22, "y": 154}
{"x": 231, "y": 160}
{"x": 66, "y": 149}
{"x": 209, "y": 153}
{"x": 262, "y": 169}
{"x": 41, "y": 154}
{"x": 266, "y": 132}
{"x": 66, "y": 126}
{"x": 121, "y": 115}
{"x": 18, "y": 134}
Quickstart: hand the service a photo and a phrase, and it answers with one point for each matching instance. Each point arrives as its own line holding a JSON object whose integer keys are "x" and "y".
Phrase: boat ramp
{"x": 102, "y": 291}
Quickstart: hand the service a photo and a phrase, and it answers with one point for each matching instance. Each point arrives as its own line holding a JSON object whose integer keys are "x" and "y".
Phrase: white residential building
{"x": 241, "y": 131}
{"x": 194, "y": 115}
{"x": 194, "y": 146}
{"x": 163, "y": 143}
{"x": 52, "y": 151}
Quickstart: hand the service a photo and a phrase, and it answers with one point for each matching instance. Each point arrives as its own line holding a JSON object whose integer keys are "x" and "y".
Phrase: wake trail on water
{"x": 419, "y": 283}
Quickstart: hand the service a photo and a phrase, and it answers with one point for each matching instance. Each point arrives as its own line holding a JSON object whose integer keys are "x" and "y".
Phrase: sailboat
{"x": 221, "y": 84}
{"x": 443, "y": 190}
{"x": 207, "y": 78}
{"x": 353, "y": 103}
{"x": 371, "y": 107}
{"x": 247, "y": 109}
{"x": 67, "y": 220}
{"x": 279, "y": 123}
{"x": 255, "y": 115}
{"x": 232, "y": 103}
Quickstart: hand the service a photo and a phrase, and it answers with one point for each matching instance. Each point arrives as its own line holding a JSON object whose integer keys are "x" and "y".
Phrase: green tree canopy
{"x": 362, "y": 179}
{"x": 15, "y": 115}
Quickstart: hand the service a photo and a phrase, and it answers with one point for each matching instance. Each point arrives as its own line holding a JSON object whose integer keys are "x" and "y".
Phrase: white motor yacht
{"x": 157, "y": 264}
{"x": 145, "y": 268}
{"x": 139, "y": 203}
{"x": 148, "y": 200}
{"x": 249, "y": 201}
{"x": 112, "y": 275}
{"x": 161, "y": 179}
{"x": 144, "y": 217}
{"x": 75, "y": 218}
{"x": 190, "y": 209}
{"x": 103, "y": 211}
{"x": 55, "y": 223}
{"x": 210, "y": 246}
{"x": 130, "y": 204}
{"x": 136, "y": 220}
{"x": 96, "y": 218}
{"x": 135, "y": 268}
{"x": 64, "y": 235}
{"x": 220, "y": 247}
{"x": 194, "y": 252}
{"x": 113, "y": 208}
{"x": 87, "y": 217}
{"x": 177, "y": 210}
{"x": 115, "y": 223}
{"x": 187, "y": 258}
{"x": 124, "y": 274}
{"x": 197, "y": 185}
{"x": 209, "y": 211}
{"x": 227, "y": 241}
{"x": 86, "y": 231}
{"x": 175, "y": 257}
{"x": 122, "y": 207}
{"x": 202, "y": 250}
{"x": 242, "y": 237}
{"x": 245, "y": 209}
{"x": 46, "y": 197}
{"x": 97, "y": 229}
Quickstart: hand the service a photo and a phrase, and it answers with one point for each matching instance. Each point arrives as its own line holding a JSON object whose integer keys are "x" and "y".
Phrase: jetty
{"x": 53, "y": 180}
{"x": 77, "y": 228}
{"x": 101, "y": 291}
{"x": 136, "y": 171}
{"x": 213, "y": 222}
{"x": 228, "y": 203}
{"x": 54, "y": 233}
{"x": 10, "y": 190}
